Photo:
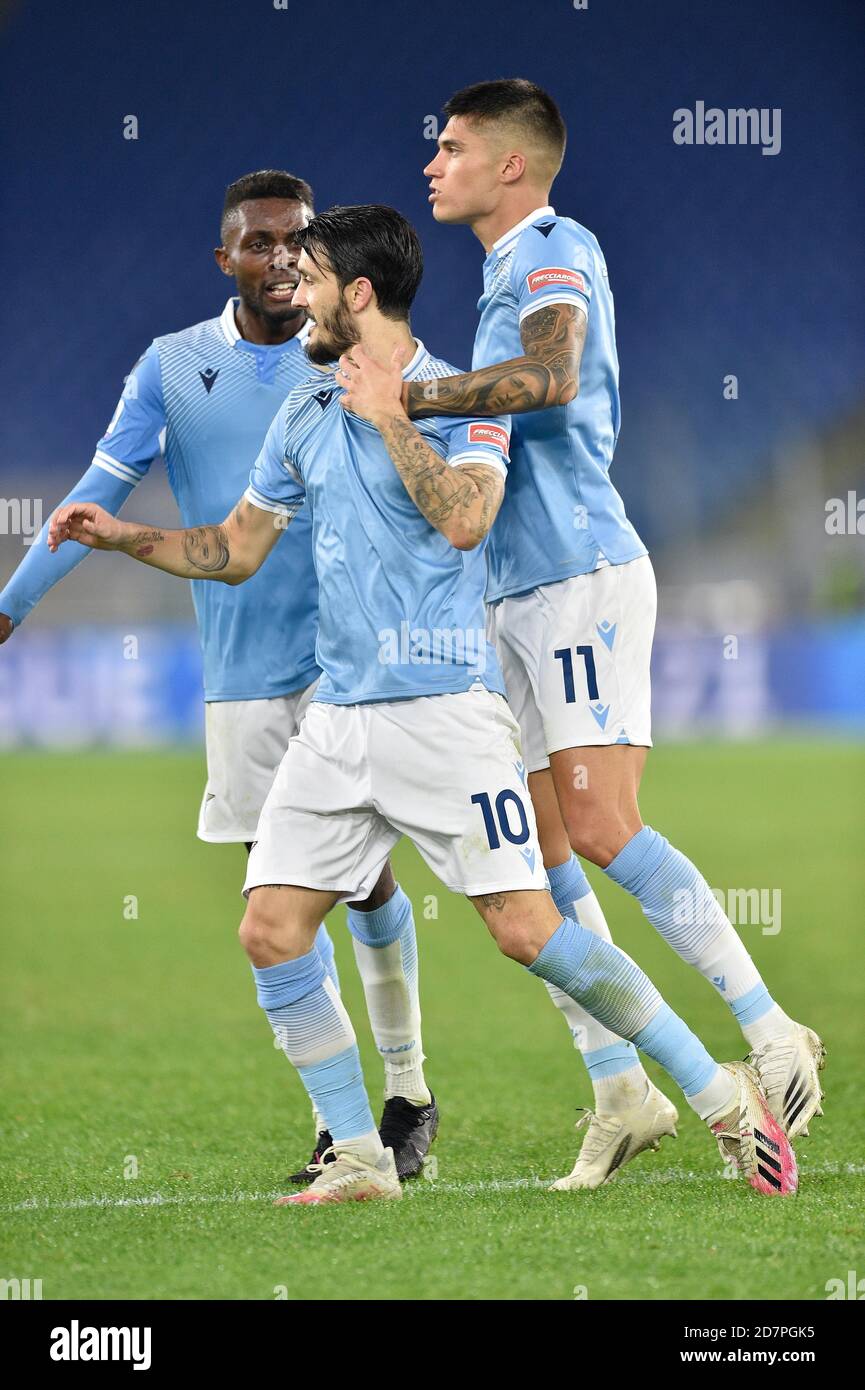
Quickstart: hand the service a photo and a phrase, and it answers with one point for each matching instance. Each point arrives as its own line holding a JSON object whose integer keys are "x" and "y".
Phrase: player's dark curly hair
{"x": 265, "y": 183}
{"x": 371, "y": 240}
{"x": 522, "y": 102}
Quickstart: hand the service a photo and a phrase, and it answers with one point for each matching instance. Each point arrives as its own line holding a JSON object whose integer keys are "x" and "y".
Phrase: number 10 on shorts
{"x": 564, "y": 655}
{"x": 501, "y": 814}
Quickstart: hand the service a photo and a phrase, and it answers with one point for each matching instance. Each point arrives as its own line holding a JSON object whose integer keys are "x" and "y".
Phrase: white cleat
{"x": 613, "y": 1140}
{"x": 348, "y": 1178}
{"x": 751, "y": 1140}
{"x": 788, "y": 1070}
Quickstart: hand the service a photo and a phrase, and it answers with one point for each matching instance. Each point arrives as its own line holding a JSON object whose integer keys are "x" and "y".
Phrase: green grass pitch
{"x": 149, "y": 1120}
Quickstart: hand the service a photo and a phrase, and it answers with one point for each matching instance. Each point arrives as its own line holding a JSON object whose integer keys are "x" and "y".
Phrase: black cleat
{"x": 409, "y": 1130}
{"x": 323, "y": 1142}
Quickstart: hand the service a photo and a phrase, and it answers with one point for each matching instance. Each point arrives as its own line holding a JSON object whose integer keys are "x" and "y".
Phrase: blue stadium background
{"x": 723, "y": 261}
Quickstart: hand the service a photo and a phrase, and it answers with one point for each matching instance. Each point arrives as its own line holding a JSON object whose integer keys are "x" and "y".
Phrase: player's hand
{"x": 7, "y": 627}
{"x": 85, "y": 522}
{"x": 369, "y": 389}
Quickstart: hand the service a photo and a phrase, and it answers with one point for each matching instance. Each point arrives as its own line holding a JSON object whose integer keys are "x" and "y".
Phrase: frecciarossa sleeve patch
{"x": 489, "y": 434}
{"x": 555, "y": 275}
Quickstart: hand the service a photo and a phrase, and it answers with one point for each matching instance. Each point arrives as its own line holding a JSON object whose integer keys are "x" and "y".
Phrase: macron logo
{"x": 78, "y": 1343}
{"x": 555, "y": 275}
{"x": 489, "y": 434}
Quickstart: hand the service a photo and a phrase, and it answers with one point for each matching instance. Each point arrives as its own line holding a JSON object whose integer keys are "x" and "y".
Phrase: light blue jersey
{"x": 561, "y": 515}
{"x": 205, "y": 398}
{"x": 401, "y": 611}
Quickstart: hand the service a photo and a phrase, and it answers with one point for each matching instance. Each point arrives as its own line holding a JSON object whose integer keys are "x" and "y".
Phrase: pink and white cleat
{"x": 789, "y": 1069}
{"x": 347, "y": 1178}
{"x": 752, "y": 1141}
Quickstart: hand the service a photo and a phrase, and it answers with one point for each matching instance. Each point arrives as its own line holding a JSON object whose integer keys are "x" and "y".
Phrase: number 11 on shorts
{"x": 564, "y": 655}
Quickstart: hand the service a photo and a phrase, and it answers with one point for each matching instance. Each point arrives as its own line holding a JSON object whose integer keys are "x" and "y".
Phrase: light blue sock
{"x": 604, "y": 1054}
{"x": 618, "y": 993}
{"x": 670, "y": 1041}
{"x": 315, "y": 1033}
{"x": 599, "y": 976}
{"x": 602, "y": 1063}
{"x": 324, "y": 946}
{"x": 384, "y": 925}
{"x": 385, "y": 948}
{"x": 680, "y": 906}
{"x": 568, "y": 883}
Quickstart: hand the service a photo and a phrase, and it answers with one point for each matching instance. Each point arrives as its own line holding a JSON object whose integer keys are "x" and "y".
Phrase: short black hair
{"x": 265, "y": 183}
{"x": 370, "y": 240}
{"x": 518, "y": 100}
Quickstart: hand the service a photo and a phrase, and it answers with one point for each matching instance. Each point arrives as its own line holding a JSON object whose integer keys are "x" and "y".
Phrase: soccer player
{"x": 573, "y": 595}
{"x": 205, "y": 397}
{"x": 400, "y": 738}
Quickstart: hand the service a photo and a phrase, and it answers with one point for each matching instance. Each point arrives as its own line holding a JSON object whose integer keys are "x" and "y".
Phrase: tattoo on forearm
{"x": 143, "y": 542}
{"x": 469, "y": 494}
{"x": 206, "y": 548}
{"x": 508, "y": 386}
{"x": 553, "y": 341}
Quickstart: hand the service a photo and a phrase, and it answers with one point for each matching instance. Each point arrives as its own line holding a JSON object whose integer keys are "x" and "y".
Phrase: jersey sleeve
{"x": 134, "y": 436}
{"x": 40, "y": 570}
{"x": 476, "y": 441}
{"x": 556, "y": 268}
{"x": 275, "y": 484}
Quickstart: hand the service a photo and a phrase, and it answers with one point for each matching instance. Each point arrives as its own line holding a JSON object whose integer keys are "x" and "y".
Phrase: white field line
{"x": 414, "y": 1190}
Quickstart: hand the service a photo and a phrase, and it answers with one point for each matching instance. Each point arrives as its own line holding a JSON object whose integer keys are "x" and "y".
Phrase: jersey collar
{"x": 228, "y": 324}
{"x": 505, "y": 243}
{"x": 421, "y": 356}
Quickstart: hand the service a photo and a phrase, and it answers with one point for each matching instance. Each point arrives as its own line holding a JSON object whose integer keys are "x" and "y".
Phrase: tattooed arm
{"x": 460, "y": 501}
{"x": 548, "y": 374}
{"x": 230, "y": 551}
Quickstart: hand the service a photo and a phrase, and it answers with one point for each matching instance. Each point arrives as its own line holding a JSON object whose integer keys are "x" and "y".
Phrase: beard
{"x": 334, "y": 334}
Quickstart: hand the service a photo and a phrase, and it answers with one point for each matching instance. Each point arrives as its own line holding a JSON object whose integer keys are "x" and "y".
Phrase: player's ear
{"x": 359, "y": 294}
{"x": 512, "y": 167}
{"x": 220, "y": 255}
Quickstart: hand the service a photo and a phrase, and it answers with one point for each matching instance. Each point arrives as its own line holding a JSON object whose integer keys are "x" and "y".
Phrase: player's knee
{"x": 260, "y": 931}
{"x": 249, "y": 934}
{"x": 514, "y": 942}
{"x": 589, "y": 844}
{"x": 594, "y": 834}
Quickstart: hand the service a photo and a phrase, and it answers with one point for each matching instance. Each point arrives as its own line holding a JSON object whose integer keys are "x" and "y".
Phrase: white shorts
{"x": 575, "y": 657}
{"x": 246, "y": 741}
{"x": 445, "y": 770}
